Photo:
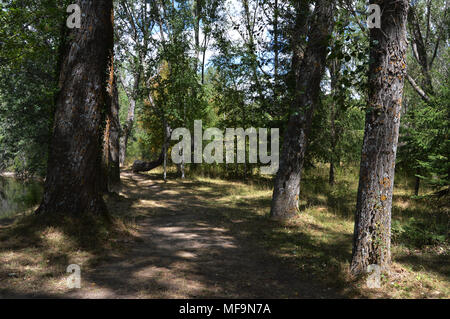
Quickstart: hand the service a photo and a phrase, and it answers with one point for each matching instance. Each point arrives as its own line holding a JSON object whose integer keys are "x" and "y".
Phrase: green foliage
{"x": 175, "y": 95}
{"x": 425, "y": 135}
{"x": 418, "y": 233}
{"x": 30, "y": 35}
{"x": 338, "y": 124}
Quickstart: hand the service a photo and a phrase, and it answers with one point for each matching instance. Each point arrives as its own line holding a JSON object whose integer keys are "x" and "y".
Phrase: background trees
{"x": 30, "y": 36}
{"x": 424, "y": 139}
{"x": 301, "y": 66}
{"x": 72, "y": 111}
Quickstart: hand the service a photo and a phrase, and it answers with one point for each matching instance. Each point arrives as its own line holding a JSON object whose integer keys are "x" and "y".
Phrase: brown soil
{"x": 189, "y": 248}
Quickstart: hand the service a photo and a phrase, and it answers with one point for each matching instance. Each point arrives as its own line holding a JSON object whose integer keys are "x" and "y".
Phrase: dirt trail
{"x": 187, "y": 251}
{"x": 192, "y": 245}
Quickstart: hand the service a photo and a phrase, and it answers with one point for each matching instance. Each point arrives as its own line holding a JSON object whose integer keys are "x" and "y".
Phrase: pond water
{"x": 17, "y": 196}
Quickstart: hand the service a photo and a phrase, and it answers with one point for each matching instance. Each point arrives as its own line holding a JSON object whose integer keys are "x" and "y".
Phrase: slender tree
{"x": 111, "y": 144}
{"x": 134, "y": 29}
{"x": 133, "y": 96}
{"x": 309, "y": 67}
{"x": 387, "y": 72}
{"x": 73, "y": 183}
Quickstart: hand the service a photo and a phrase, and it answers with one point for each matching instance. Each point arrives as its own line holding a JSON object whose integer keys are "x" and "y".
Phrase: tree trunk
{"x": 165, "y": 147}
{"x": 420, "y": 50}
{"x": 387, "y": 72}
{"x": 331, "y": 177}
{"x": 73, "y": 183}
{"x": 204, "y": 59}
{"x": 417, "y": 186}
{"x": 181, "y": 166}
{"x": 141, "y": 166}
{"x": 334, "y": 70}
{"x": 111, "y": 143}
{"x": 309, "y": 68}
{"x": 130, "y": 119}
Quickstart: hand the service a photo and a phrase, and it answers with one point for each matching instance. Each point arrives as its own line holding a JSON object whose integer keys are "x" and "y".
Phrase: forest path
{"x": 192, "y": 246}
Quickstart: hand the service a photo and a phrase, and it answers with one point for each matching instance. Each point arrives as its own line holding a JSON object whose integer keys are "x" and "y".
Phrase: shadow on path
{"x": 192, "y": 249}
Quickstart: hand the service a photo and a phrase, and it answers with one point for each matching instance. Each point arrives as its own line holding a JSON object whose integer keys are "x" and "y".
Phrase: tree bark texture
{"x": 111, "y": 144}
{"x": 387, "y": 72}
{"x": 73, "y": 183}
{"x": 309, "y": 67}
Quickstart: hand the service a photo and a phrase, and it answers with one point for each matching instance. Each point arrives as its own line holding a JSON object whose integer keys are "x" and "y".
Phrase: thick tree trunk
{"x": 372, "y": 235}
{"x": 276, "y": 63}
{"x": 73, "y": 183}
{"x": 309, "y": 68}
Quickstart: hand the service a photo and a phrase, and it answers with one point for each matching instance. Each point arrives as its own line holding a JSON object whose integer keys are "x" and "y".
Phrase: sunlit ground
{"x": 193, "y": 237}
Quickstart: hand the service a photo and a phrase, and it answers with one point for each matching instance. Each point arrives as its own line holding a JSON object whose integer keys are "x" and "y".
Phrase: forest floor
{"x": 210, "y": 238}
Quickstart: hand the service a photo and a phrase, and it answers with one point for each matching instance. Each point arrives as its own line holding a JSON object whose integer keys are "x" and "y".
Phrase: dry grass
{"x": 319, "y": 240}
{"x": 316, "y": 244}
{"x": 34, "y": 256}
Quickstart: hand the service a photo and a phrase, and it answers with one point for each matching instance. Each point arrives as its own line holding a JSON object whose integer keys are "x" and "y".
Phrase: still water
{"x": 16, "y": 196}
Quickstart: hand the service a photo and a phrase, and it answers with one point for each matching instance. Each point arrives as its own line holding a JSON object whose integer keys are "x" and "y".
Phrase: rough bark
{"x": 111, "y": 145}
{"x": 73, "y": 183}
{"x": 387, "y": 72}
{"x": 309, "y": 67}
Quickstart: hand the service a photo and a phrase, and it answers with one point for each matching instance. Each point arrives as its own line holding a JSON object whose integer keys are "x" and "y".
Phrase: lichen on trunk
{"x": 387, "y": 72}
